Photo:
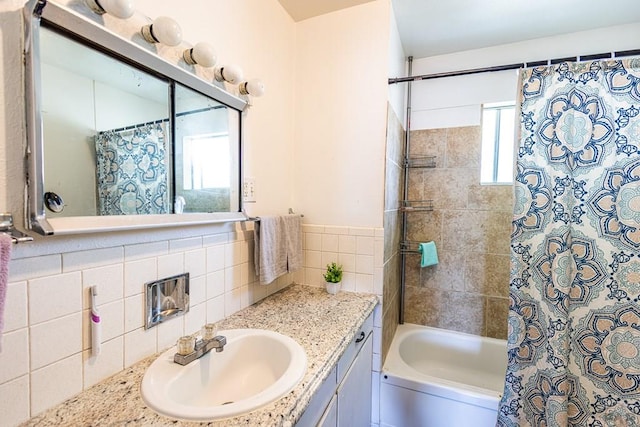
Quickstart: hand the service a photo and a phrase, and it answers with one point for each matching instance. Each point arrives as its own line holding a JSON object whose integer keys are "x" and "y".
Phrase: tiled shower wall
{"x": 470, "y": 224}
{"x": 394, "y": 185}
{"x": 46, "y": 357}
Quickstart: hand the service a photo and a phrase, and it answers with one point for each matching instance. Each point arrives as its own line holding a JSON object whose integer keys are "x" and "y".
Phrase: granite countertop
{"x": 323, "y": 324}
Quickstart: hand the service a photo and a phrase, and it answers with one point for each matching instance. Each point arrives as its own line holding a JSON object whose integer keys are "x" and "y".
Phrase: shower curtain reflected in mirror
{"x": 132, "y": 170}
{"x": 574, "y": 319}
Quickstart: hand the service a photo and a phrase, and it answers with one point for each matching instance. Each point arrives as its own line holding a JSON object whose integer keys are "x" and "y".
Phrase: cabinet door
{"x": 330, "y": 415}
{"x": 354, "y": 394}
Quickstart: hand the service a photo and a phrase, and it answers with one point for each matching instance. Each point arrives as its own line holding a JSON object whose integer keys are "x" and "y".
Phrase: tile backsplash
{"x": 46, "y": 356}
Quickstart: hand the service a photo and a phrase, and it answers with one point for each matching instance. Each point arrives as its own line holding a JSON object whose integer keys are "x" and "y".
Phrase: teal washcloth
{"x": 429, "y": 254}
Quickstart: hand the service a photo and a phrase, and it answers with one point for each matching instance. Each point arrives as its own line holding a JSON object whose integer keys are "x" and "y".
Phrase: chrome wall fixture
{"x": 6, "y": 227}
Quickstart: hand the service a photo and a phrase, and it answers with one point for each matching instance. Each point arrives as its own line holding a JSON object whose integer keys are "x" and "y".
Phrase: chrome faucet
{"x": 202, "y": 347}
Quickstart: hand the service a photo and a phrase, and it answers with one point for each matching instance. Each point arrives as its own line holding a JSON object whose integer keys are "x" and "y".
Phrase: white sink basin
{"x": 256, "y": 367}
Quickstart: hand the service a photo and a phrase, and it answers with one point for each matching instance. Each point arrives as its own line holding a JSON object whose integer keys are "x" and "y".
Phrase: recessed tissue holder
{"x": 166, "y": 298}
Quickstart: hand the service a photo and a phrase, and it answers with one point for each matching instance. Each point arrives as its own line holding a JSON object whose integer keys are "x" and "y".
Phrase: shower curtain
{"x": 132, "y": 171}
{"x": 574, "y": 318}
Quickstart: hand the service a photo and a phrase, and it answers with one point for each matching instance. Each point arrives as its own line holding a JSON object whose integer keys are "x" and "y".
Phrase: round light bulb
{"x": 201, "y": 54}
{"x": 122, "y": 9}
{"x": 253, "y": 87}
{"x": 228, "y": 73}
{"x": 163, "y": 30}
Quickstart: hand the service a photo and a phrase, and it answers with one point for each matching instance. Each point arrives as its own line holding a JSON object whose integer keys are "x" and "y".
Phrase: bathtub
{"x": 438, "y": 378}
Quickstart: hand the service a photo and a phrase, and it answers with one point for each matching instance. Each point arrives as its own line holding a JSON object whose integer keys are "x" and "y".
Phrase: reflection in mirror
{"x": 103, "y": 117}
{"x": 105, "y": 127}
{"x": 206, "y": 154}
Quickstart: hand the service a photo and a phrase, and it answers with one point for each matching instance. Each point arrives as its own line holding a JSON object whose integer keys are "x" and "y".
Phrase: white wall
{"x": 340, "y": 116}
{"x": 258, "y": 36}
{"x": 456, "y": 101}
{"x": 397, "y": 68}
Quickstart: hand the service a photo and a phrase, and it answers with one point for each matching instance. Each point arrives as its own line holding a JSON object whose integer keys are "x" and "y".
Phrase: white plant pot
{"x": 332, "y": 288}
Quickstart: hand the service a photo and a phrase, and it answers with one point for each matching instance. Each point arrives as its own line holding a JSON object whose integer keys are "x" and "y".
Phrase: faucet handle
{"x": 186, "y": 344}
{"x": 209, "y": 331}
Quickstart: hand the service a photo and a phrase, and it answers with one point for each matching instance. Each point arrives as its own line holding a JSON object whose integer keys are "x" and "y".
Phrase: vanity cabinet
{"x": 344, "y": 398}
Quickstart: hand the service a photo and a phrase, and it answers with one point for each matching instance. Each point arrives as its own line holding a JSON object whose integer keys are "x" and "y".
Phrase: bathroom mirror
{"x": 118, "y": 137}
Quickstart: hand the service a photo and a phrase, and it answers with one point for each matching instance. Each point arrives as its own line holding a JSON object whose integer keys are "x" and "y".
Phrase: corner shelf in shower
{"x": 421, "y": 162}
{"x": 409, "y": 247}
{"x": 416, "y": 206}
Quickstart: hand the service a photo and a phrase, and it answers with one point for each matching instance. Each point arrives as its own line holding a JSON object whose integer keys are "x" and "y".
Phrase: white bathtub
{"x": 438, "y": 378}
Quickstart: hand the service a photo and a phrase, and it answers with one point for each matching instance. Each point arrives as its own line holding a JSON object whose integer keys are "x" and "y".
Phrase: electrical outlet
{"x": 249, "y": 190}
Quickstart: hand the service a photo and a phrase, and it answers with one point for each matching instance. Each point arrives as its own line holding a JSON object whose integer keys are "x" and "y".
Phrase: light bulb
{"x": 163, "y": 30}
{"x": 228, "y": 73}
{"x": 122, "y": 9}
{"x": 253, "y": 87}
{"x": 201, "y": 54}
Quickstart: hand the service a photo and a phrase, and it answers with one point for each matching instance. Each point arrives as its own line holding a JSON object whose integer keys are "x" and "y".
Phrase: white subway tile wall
{"x": 46, "y": 356}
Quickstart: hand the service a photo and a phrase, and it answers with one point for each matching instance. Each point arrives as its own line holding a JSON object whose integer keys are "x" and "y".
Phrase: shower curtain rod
{"x": 156, "y": 122}
{"x": 610, "y": 55}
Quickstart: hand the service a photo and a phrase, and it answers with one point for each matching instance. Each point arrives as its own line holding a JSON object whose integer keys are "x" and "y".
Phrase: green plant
{"x": 334, "y": 273}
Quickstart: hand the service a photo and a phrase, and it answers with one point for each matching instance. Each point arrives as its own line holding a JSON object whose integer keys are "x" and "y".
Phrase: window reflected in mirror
{"x": 205, "y": 154}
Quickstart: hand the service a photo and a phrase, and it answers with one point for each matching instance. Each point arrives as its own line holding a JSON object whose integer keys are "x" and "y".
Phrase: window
{"x": 206, "y": 162}
{"x": 497, "y": 144}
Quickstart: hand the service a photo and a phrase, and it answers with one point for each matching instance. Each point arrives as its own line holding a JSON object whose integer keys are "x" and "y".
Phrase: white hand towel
{"x": 293, "y": 237}
{"x": 270, "y": 251}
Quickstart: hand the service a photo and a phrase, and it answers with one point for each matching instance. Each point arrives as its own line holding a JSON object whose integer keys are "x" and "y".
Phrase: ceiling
{"x": 304, "y": 9}
{"x": 436, "y": 27}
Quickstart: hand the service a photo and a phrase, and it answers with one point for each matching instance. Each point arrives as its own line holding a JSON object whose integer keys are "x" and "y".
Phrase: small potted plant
{"x": 333, "y": 277}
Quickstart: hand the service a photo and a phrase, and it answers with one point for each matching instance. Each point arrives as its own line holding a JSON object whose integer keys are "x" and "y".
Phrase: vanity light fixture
{"x": 253, "y": 87}
{"x": 228, "y": 73}
{"x": 122, "y": 9}
{"x": 202, "y": 54}
{"x": 162, "y": 30}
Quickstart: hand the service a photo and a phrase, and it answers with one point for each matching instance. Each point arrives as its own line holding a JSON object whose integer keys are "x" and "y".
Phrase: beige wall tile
{"x": 389, "y": 324}
{"x": 416, "y": 184}
{"x": 463, "y": 147}
{"x": 395, "y": 137}
{"x": 425, "y": 227}
{"x": 491, "y": 197}
{"x": 463, "y": 312}
{"x": 428, "y": 142}
{"x": 448, "y": 188}
{"x": 424, "y": 306}
{"x": 448, "y": 274}
{"x": 477, "y": 231}
{"x": 496, "y": 317}
{"x": 487, "y": 274}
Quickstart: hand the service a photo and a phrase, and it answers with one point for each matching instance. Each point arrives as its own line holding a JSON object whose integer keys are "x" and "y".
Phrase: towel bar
{"x": 257, "y": 218}
{"x": 6, "y": 227}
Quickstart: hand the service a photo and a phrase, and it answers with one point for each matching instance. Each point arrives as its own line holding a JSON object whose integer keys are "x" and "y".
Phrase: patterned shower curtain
{"x": 574, "y": 319}
{"x": 132, "y": 171}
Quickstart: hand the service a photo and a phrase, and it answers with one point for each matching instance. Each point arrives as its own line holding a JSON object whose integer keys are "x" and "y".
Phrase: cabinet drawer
{"x": 354, "y": 346}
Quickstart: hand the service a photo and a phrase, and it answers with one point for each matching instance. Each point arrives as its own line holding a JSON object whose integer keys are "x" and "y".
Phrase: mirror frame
{"x": 82, "y": 29}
